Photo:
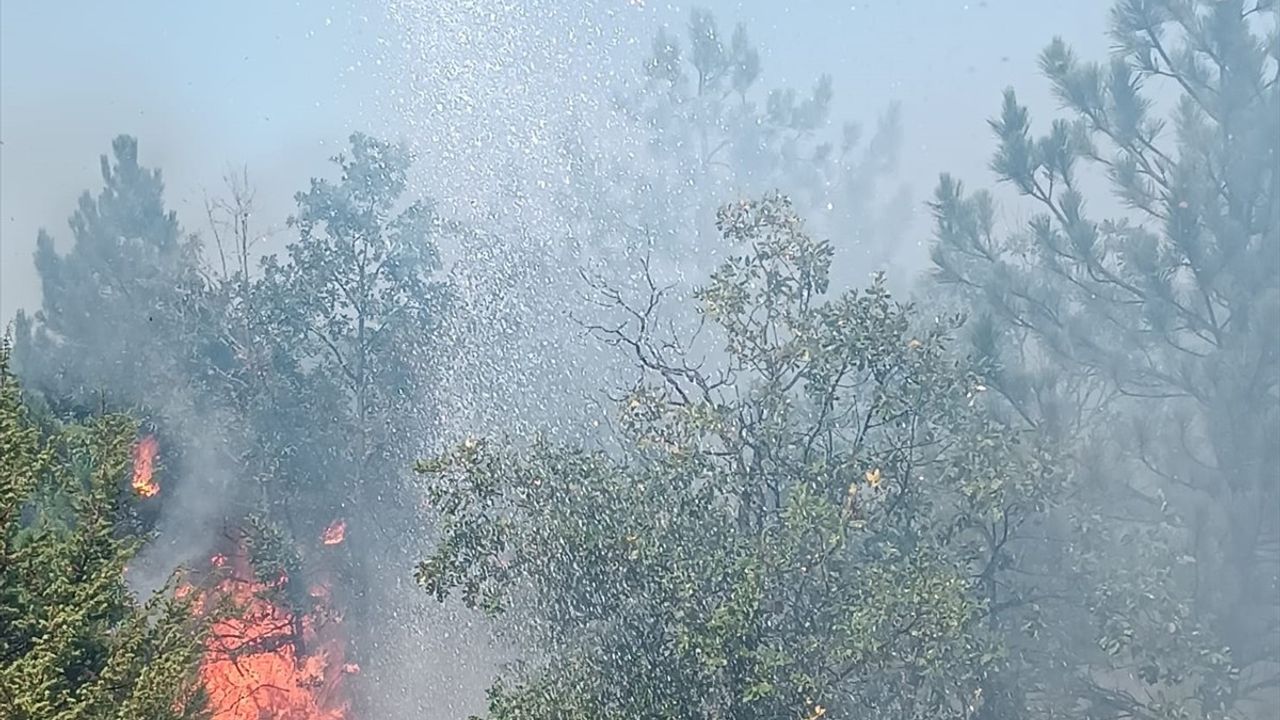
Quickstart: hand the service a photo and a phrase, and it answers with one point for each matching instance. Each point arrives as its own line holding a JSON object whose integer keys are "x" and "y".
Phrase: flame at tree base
{"x": 264, "y": 660}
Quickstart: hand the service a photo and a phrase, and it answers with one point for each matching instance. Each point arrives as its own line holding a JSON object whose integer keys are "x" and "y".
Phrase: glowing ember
{"x": 335, "y": 533}
{"x": 266, "y": 660}
{"x": 144, "y": 461}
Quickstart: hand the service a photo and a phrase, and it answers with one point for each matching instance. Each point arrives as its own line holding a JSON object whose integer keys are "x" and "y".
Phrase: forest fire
{"x": 264, "y": 659}
{"x": 144, "y": 461}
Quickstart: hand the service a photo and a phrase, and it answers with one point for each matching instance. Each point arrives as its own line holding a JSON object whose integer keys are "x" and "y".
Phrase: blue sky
{"x": 279, "y": 84}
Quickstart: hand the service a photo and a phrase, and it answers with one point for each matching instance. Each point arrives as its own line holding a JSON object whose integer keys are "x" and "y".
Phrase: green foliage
{"x": 336, "y": 343}
{"x": 74, "y": 643}
{"x": 1146, "y": 344}
{"x": 352, "y": 312}
{"x": 130, "y": 277}
{"x": 289, "y": 395}
{"x": 801, "y": 528}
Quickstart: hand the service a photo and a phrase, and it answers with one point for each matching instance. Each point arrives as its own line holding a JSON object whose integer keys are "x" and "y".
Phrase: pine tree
{"x": 717, "y": 130}
{"x": 1148, "y": 344}
{"x": 74, "y": 642}
{"x": 122, "y": 316}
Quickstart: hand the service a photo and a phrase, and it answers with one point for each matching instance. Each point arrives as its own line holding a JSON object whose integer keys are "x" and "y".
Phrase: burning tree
{"x": 316, "y": 365}
{"x": 269, "y": 655}
{"x": 144, "y": 461}
{"x": 73, "y": 640}
{"x": 273, "y": 646}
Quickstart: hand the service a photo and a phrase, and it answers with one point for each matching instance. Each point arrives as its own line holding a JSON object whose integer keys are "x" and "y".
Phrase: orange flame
{"x": 335, "y": 533}
{"x": 144, "y": 461}
{"x": 268, "y": 661}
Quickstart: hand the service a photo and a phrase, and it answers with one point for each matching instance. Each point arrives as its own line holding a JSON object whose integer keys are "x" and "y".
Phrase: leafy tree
{"x": 358, "y": 300}
{"x": 800, "y": 523}
{"x": 638, "y": 183}
{"x": 1149, "y": 342}
{"x": 74, "y": 643}
{"x": 335, "y": 354}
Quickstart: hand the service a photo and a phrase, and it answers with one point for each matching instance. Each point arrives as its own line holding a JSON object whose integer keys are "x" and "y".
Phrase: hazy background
{"x": 279, "y": 86}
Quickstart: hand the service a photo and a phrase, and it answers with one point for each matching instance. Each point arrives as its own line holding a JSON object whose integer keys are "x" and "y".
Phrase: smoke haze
{"x": 280, "y": 88}
{"x": 526, "y": 121}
